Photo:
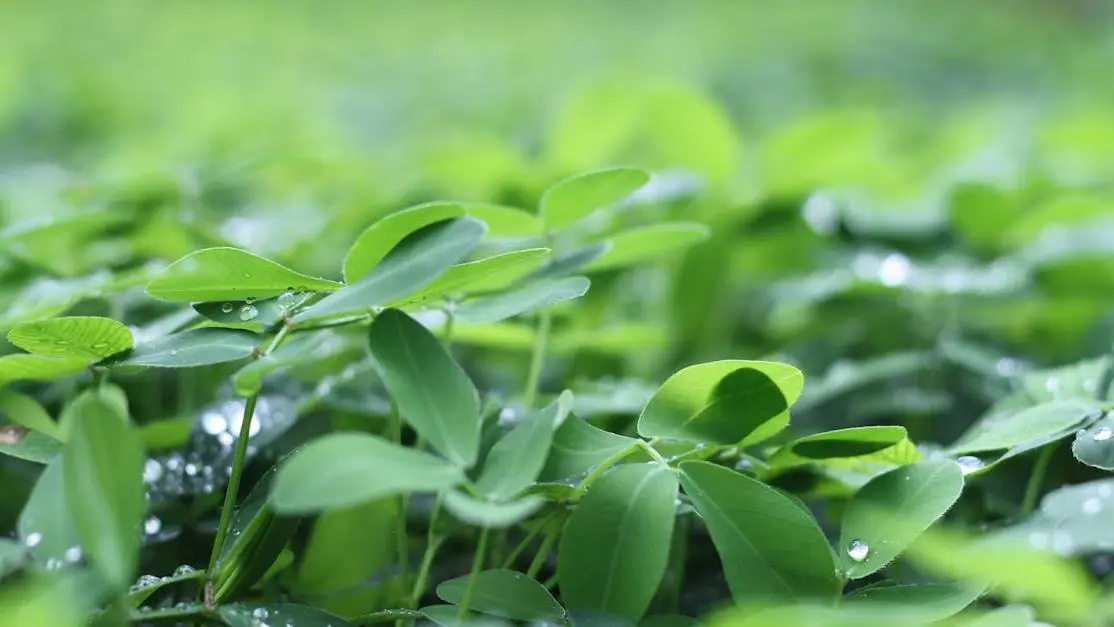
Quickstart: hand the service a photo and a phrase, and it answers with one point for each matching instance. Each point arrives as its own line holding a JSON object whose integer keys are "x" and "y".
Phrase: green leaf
{"x": 771, "y": 549}
{"x": 649, "y": 243}
{"x": 571, "y": 262}
{"x": 892, "y": 510}
{"x": 483, "y": 275}
{"x": 249, "y": 379}
{"x": 723, "y": 402}
{"x": 24, "y": 410}
{"x": 264, "y": 312}
{"x": 220, "y": 274}
{"x": 578, "y": 447}
{"x": 21, "y": 367}
{"x": 47, "y": 523}
{"x": 328, "y": 564}
{"x": 377, "y": 240}
{"x": 257, "y": 614}
{"x": 1018, "y": 428}
{"x": 490, "y": 514}
{"x": 447, "y": 616}
{"x": 669, "y": 620}
{"x": 842, "y": 443}
{"x": 104, "y": 486}
{"x": 432, "y": 391}
{"x": 924, "y": 603}
{"x": 1072, "y": 520}
{"x": 189, "y": 349}
{"x": 505, "y": 222}
{"x": 1008, "y": 616}
{"x": 504, "y": 593}
{"x": 533, "y": 296}
{"x": 146, "y": 587}
{"x": 87, "y": 337}
{"x": 517, "y": 458}
{"x": 22, "y": 443}
{"x": 573, "y": 199}
{"x": 1093, "y": 446}
{"x": 12, "y": 555}
{"x": 347, "y": 469}
{"x": 615, "y": 545}
{"x": 411, "y": 265}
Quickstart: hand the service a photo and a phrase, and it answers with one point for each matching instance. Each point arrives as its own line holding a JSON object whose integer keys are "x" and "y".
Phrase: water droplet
{"x": 152, "y": 470}
{"x": 250, "y": 300}
{"x": 152, "y": 525}
{"x": 1007, "y": 366}
{"x": 33, "y": 539}
{"x": 248, "y": 312}
{"x": 1102, "y": 434}
{"x": 227, "y": 307}
{"x": 213, "y": 422}
{"x": 146, "y": 581}
{"x": 1090, "y": 385}
{"x": 744, "y": 465}
{"x": 191, "y": 470}
{"x": 894, "y": 270}
{"x": 12, "y": 434}
{"x": 226, "y": 439}
{"x": 173, "y": 351}
{"x": 969, "y": 464}
{"x": 1092, "y": 506}
{"x": 858, "y": 550}
{"x": 260, "y": 613}
{"x": 184, "y": 570}
{"x": 1052, "y": 385}
{"x": 73, "y": 554}
{"x": 53, "y": 563}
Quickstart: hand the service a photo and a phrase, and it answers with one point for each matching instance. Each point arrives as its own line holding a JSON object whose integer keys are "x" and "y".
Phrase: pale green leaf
{"x": 220, "y": 274}
{"x": 531, "y": 297}
{"x": 573, "y": 199}
{"x": 517, "y": 458}
{"x": 25, "y": 410}
{"x": 490, "y": 514}
{"x": 189, "y": 349}
{"x": 87, "y": 337}
{"x": 483, "y": 275}
{"x": 376, "y": 241}
{"x": 505, "y": 222}
{"x": 1014, "y": 429}
{"x": 649, "y": 243}
{"x": 578, "y": 447}
{"x": 23, "y": 367}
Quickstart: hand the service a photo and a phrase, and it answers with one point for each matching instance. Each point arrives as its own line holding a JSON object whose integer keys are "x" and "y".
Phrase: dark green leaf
{"x": 922, "y": 602}
{"x": 483, "y": 275}
{"x": 377, "y": 240}
{"x": 493, "y": 515}
{"x": 222, "y": 274}
{"x": 504, "y": 593}
{"x": 189, "y": 349}
{"x": 258, "y": 614}
{"x": 85, "y": 337}
{"x": 516, "y": 460}
{"x": 851, "y": 442}
{"x": 578, "y": 447}
{"x": 649, "y": 243}
{"x": 328, "y": 564}
{"x": 573, "y": 199}
{"x": 531, "y": 297}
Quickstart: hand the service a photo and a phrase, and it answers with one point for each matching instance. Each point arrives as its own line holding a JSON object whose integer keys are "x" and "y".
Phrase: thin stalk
{"x": 551, "y": 582}
{"x": 401, "y": 533}
{"x": 653, "y": 452}
{"x": 603, "y": 467}
{"x": 542, "y": 554}
{"x": 537, "y": 359}
{"x": 1036, "y": 479}
{"x": 233, "y": 488}
{"x": 447, "y": 331}
{"x": 477, "y": 566}
{"x": 433, "y": 543}
{"x": 517, "y": 551}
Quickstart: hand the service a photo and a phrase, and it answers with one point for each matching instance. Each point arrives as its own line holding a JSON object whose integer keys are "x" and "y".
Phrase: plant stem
{"x": 278, "y": 339}
{"x": 447, "y": 331}
{"x": 433, "y": 542}
{"x": 1036, "y": 478}
{"x": 603, "y": 467}
{"x": 477, "y": 566}
{"x": 233, "y": 488}
{"x": 401, "y": 533}
{"x": 542, "y": 554}
{"x": 509, "y": 562}
{"x": 386, "y": 616}
{"x": 653, "y": 452}
{"x": 537, "y": 359}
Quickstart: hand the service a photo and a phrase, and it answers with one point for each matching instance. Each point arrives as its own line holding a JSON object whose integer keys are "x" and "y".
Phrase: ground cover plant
{"x": 644, "y": 368}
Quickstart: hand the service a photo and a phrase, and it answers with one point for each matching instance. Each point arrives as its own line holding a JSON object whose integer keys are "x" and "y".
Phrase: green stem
{"x": 542, "y": 554}
{"x": 549, "y": 583}
{"x": 603, "y": 467}
{"x": 653, "y": 452}
{"x": 386, "y": 616}
{"x": 477, "y": 566}
{"x": 433, "y": 542}
{"x": 233, "y": 482}
{"x": 537, "y": 359}
{"x": 329, "y": 324}
{"x": 447, "y": 332}
{"x": 509, "y": 562}
{"x": 278, "y": 339}
{"x": 401, "y": 533}
{"x": 1036, "y": 478}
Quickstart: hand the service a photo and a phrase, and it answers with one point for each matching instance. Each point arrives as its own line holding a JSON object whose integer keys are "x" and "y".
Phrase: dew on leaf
{"x": 969, "y": 464}
{"x": 1092, "y": 506}
{"x": 1102, "y": 434}
{"x": 146, "y": 581}
{"x": 73, "y": 554}
{"x": 184, "y": 570}
{"x": 260, "y": 613}
{"x": 1038, "y": 540}
{"x": 858, "y": 550}
{"x": 152, "y": 525}
{"x": 1062, "y": 543}
{"x": 227, "y": 307}
{"x": 248, "y": 312}
{"x": 12, "y": 434}
{"x": 33, "y": 539}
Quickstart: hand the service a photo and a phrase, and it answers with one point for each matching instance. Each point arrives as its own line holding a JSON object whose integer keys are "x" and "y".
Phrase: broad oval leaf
{"x": 258, "y": 614}
{"x": 1094, "y": 445}
{"x": 517, "y": 458}
{"x": 505, "y": 222}
{"x": 328, "y": 564}
{"x": 489, "y": 514}
{"x": 46, "y": 524}
{"x": 26, "y": 411}
{"x": 103, "y": 476}
{"x": 432, "y": 391}
{"x": 190, "y": 349}
{"x": 615, "y": 545}
{"x": 771, "y": 549}
{"x": 503, "y": 593}
{"x": 533, "y": 296}
{"x": 843, "y": 443}
{"x": 578, "y": 447}
{"x": 377, "y": 240}
{"x": 925, "y": 603}
{"x": 87, "y": 337}
{"x": 1073, "y": 520}
{"x": 892, "y": 510}
{"x": 649, "y": 243}
{"x": 23, "y": 367}
{"x": 411, "y": 265}
{"x": 723, "y": 402}
{"x": 483, "y": 275}
{"x": 571, "y": 200}
{"x": 571, "y": 262}
{"x": 224, "y": 273}
{"x": 1024, "y": 426}
{"x": 346, "y": 469}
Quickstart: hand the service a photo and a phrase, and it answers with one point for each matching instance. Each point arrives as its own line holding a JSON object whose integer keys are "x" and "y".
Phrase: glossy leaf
{"x": 887, "y": 514}
{"x": 649, "y": 243}
{"x": 533, "y": 296}
{"x": 841, "y": 443}
{"x": 86, "y": 337}
{"x": 103, "y": 470}
{"x": 414, "y": 263}
{"x": 263, "y": 312}
{"x": 505, "y": 222}
{"x": 256, "y": 614}
{"x": 347, "y": 469}
{"x": 517, "y": 458}
{"x": 1027, "y": 425}
{"x": 615, "y": 546}
{"x": 432, "y": 391}
{"x": 770, "y": 548}
{"x": 26, "y": 411}
{"x": 578, "y": 447}
{"x": 377, "y": 240}
{"x": 573, "y": 199}
{"x": 22, "y": 443}
{"x": 1093, "y": 446}
{"x": 220, "y": 274}
{"x": 493, "y": 515}
{"x": 23, "y": 367}
{"x": 723, "y": 402}
{"x": 190, "y": 349}
{"x": 504, "y": 593}
{"x": 483, "y": 275}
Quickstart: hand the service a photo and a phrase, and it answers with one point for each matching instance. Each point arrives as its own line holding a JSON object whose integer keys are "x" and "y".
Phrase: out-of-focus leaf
{"x": 85, "y": 337}
{"x": 573, "y": 199}
{"x": 490, "y": 514}
{"x": 504, "y": 593}
{"x": 24, "y": 367}
{"x": 649, "y": 243}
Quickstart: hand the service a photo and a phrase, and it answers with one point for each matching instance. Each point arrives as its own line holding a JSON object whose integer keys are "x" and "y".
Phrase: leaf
{"x": 26, "y": 411}
{"x": 771, "y": 549}
{"x": 573, "y": 199}
{"x": 432, "y": 392}
{"x": 483, "y": 275}
{"x": 517, "y": 458}
{"x": 571, "y": 262}
{"x": 892, "y": 510}
{"x": 578, "y": 447}
{"x": 669, "y": 620}
{"x": 86, "y": 337}
{"x": 22, "y": 443}
{"x": 347, "y": 469}
{"x": 649, "y": 243}
{"x": 47, "y": 524}
{"x": 249, "y": 379}
{"x": 533, "y": 296}
{"x": 190, "y": 349}
{"x": 924, "y": 603}
{"x": 505, "y": 222}
{"x": 1030, "y": 424}
{"x": 1072, "y": 520}
{"x": 21, "y": 367}
{"x": 104, "y": 485}
{"x": 615, "y": 545}
{"x": 328, "y": 564}
{"x": 12, "y": 555}
{"x": 257, "y": 614}
{"x": 411, "y": 265}
{"x": 376, "y": 242}
{"x": 1008, "y": 616}
{"x": 219, "y": 274}
{"x": 149, "y": 585}
{"x": 447, "y": 616}
{"x": 1093, "y": 446}
{"x": 263, "y": 312}
{"x": 723, "y": 402}
{"x": 503, "y": 593}
{"x": 842, "y": 443}
{"x": 490, "y": 514}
